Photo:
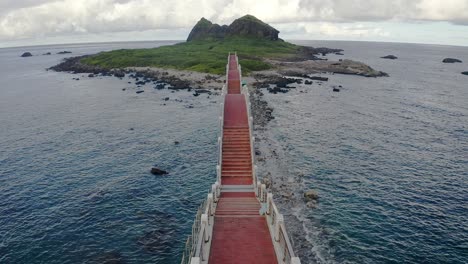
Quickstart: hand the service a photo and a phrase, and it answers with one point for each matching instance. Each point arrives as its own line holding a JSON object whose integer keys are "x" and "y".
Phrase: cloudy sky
{"x": 32, "y": 22}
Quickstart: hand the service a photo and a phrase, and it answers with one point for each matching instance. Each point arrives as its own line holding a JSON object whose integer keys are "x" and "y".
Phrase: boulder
{"x": 311, "y": 195}
{"x": 157, "y": 171}
{"x": 307, "y": 82}
{"x": 390, "y": 57}
{"x": 119, "y": 74}
{"x": 26, "y": 54}
{"x": 451, "y": 60}
{"x": 139, "y": 92}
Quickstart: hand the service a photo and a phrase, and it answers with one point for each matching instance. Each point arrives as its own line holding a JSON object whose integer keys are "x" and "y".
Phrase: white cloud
{"x": 41, "y": 18}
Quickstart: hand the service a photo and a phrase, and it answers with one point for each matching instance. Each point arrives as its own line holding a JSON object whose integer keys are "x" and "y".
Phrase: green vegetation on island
{"x": 257, "y": 44}
{"x": 208, "y": 55}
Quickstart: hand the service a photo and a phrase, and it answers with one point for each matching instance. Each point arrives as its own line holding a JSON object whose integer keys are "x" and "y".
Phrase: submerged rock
{"x": 451, "y": 60}
{"x": 112, "y": 257}
{"x": 390, "y": 57}
{"x": 311, "y": 195}
{"x": 156, "y": 171}
{"x": 26, "y": 54}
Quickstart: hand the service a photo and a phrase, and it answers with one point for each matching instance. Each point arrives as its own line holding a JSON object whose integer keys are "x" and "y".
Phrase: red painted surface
{"x": 243, "y": 240}
{"x": 235, "y": 111}
{"x": 240, "y": 233}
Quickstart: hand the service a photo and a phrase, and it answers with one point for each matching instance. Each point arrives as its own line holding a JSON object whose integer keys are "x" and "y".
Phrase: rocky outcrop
{"x": 26, "y": 54}
{"x": 390, "y": 57}
{"x": 250, "y": 26}
{"x": 204, "y": 29}
{"x": 246, "y": 26}
{"x": 451, "y": 60}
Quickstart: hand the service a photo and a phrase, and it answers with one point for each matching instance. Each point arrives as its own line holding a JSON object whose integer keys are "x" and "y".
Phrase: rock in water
{"x": 465, "y": 73}
{"x": 451, "y": 60}
{"x": 336, "y": 89}
{"x": 139, "y": 92}
{"x": 64, "y": 52}
{"x": 157, "y": 171}
{"x": 390, "y": 57}
{"x": 311, "y": 195}
{"x": 26, "y": 54}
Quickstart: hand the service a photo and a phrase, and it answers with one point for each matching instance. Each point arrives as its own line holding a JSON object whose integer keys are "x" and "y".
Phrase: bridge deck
{"x": 240, "y": 233}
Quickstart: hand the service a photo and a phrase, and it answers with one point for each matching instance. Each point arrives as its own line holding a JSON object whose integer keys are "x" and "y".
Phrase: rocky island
{"x": 184, "y": 65}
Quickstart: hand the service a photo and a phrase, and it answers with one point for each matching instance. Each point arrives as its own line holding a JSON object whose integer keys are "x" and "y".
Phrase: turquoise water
{"x": 75, "y": 157}
{"x": 388, "y": 156}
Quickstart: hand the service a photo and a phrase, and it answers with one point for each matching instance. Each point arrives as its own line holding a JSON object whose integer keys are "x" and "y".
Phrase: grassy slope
{"x": 208, "y": 56}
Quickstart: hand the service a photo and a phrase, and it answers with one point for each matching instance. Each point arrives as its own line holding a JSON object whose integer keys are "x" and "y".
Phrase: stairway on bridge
{"x": 240, "y": 233}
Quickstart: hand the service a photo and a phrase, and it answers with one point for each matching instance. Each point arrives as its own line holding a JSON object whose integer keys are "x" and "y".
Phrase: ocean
{"x": 388, "y": 157}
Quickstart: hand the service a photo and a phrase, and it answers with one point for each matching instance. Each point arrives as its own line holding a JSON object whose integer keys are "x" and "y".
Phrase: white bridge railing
{"x": 197, "y": 247}
{"x": 275, "y": 220}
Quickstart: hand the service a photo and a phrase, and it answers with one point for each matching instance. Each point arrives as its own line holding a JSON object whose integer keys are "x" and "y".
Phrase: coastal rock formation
{"x": 204, "y": 29}
{"x": 451, "y": 60}
{"x": 246, "y": 26}
{"x": 26, "y": 54}
{"x": 390, "y": 57}
{"x": 250, "y": 26}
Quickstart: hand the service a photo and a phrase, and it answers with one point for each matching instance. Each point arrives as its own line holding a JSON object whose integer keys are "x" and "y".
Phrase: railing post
{"x": 269, "y": 199}
{"x": 295, "y": 260}
{"x": 195, "y": 260}
{"x": 218, "y": 172}
{"x": 264, "y": 195}
{"x": 279, "y": 220}
{"x": 210, "y": 203}
{"x": 214, "y": 190}
{"x": 204, "y": 224}
{"x": 257, "y": 191}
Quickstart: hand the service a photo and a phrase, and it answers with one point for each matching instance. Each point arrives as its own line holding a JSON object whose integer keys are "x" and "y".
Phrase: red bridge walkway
{"x": 240, "y": 233}
{"x": 239, "y": 222}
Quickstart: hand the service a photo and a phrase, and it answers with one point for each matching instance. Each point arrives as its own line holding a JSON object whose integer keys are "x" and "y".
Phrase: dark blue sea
{"x": 388, "y": 157}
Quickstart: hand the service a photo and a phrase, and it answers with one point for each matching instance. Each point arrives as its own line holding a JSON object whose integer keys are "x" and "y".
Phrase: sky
{"x": 39, "y": 22}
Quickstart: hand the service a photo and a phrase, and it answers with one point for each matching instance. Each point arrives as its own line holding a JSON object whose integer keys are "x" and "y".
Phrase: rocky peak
{"x": 246, "y": 26}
